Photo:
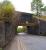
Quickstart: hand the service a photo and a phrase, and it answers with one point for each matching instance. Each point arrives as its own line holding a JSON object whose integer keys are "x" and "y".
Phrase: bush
{"x": 21, "y": 29}
{"x": 0, "y": 48}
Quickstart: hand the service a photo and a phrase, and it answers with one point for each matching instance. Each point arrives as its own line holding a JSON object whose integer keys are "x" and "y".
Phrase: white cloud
{"x": 1, "y": 0}
{"x": 22, "y": 5}
{"x": 44, "y": 1}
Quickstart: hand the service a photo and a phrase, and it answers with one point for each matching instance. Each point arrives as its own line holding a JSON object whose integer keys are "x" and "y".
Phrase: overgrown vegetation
{"x": 43, "y": 17}
{"x": 0, "y": 48}
{"x": 6, "y": 11}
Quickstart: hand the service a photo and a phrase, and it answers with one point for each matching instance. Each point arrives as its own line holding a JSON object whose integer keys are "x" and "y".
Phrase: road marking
{"x": 20, "y": 45}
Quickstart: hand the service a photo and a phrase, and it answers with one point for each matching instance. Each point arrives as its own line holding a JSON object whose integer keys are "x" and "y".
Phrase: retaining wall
{"x": 2, "y": 33}
{"x": 7, "y": 32}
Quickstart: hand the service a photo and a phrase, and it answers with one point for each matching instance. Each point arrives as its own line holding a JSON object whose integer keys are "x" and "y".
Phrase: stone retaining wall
{"x": 2, "y": 33}
{"x": 7, "y": 32}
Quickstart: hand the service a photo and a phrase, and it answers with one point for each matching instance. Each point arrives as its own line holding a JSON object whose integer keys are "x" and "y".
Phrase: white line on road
{"x": 20, "y": 45}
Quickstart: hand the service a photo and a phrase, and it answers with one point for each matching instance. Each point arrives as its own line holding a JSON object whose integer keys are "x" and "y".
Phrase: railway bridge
{"x": 9, "y": 30}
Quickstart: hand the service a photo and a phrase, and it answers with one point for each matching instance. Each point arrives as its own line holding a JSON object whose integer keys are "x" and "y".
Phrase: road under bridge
{"x": 27, "y": 42}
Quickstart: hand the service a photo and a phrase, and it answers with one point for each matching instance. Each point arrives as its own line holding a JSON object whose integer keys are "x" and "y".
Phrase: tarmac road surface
{"x": 27, "y": 42}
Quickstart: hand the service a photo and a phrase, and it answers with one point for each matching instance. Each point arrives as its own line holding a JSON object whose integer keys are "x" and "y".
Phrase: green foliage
{"x": 37, "y": 5}
{"x": 44, "y": 9}
{"x": 7, "y": 6}
{"x": 21, "y": 29}
{"x": 0, "y": 48}
{"x": 6, "y": 11}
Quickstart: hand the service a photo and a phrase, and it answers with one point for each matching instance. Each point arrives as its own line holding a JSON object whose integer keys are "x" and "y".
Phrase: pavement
{"x": 27, "y": 42}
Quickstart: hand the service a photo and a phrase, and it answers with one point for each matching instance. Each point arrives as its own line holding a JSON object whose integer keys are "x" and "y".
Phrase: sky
{"x": 23, "y": 5}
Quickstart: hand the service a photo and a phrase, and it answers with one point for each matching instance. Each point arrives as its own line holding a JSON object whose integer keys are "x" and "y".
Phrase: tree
{"x": 37, "y": 5}
{"x": 6, "y": 11}
{"x": 44, "y": 9}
